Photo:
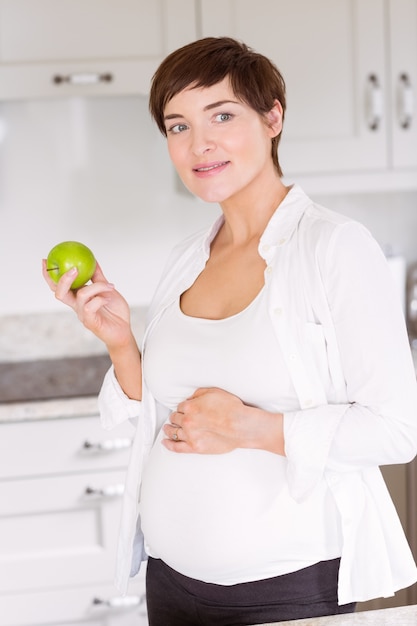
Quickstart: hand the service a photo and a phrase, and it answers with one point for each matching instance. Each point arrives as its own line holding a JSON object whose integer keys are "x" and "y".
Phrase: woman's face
{"x": 219, "y": 145}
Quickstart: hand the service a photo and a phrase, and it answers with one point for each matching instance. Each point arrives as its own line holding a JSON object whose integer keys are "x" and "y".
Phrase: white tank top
{"x": 227, "y": 518}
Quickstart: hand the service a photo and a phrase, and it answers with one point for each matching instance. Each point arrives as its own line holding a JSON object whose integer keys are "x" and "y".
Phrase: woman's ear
{"x": 274, "y": 119}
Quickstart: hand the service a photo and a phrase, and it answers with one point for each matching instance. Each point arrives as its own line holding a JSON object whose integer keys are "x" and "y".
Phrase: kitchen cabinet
{"x": 350, "y": 68}
{"x": 61, "y": 482}
{"x": 87, "y": 47}
{"x": 402, "y": 21}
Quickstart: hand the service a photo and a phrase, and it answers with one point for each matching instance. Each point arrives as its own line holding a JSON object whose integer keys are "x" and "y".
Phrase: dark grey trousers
{"x": 176, "y": 600}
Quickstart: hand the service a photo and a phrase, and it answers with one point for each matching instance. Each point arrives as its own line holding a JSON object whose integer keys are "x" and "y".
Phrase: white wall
{"x": 96, "y": 170}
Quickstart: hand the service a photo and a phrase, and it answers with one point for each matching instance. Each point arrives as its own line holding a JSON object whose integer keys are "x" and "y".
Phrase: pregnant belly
{"x": 204, "y": 514}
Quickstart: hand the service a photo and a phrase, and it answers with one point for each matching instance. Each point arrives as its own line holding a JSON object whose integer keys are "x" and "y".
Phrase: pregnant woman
{"x": 275, "y": 376}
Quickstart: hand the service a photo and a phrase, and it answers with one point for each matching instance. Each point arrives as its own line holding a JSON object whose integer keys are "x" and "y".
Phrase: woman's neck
{"x": 247, "y": 217}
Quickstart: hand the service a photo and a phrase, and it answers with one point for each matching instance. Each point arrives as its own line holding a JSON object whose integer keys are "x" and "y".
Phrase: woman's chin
{"x": 209, "y": 195}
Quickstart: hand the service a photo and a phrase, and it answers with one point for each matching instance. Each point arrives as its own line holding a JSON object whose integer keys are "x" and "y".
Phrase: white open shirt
{"x": 337, "y": 316}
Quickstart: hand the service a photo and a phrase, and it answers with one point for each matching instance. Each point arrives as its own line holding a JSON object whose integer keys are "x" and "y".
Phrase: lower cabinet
{"x": 61, "y": 482}
{"x": 92, "y": 605}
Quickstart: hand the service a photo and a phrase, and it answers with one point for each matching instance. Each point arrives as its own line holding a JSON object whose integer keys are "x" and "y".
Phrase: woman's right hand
{"x": 99, "y": 306}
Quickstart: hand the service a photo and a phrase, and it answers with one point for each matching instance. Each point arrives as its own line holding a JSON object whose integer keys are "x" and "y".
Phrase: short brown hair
{"x": 254, "y": 78}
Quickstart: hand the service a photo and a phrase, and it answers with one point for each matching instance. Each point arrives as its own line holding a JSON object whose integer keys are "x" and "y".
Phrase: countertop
{"x": 60, "y": 408}
{"x": 399, "y": 616}
{"x": 45, "y": 379}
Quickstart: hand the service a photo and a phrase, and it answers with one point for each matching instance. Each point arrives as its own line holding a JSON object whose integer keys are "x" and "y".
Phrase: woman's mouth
{"x": 208, "y": 168}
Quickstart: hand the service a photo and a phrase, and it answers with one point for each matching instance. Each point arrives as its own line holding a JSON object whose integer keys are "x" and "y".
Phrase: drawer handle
{"x": 405, "y": 101}
{"x": 111, "y": 491}
{"x": 117, "y": 603}
{"x": 82, "y": 78}
{"x": 108, "y": 445}
{"x": 375, "y": 102}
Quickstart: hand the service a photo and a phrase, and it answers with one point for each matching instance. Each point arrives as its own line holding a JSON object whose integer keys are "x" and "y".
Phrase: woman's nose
{"x": 202, "y": 142}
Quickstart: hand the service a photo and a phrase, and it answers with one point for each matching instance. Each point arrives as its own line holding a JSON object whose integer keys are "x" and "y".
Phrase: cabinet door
{"x": 46, "y": 30}
{"x": 76, "y": 605}
{"x": 40, "y": 30}
{"x": 50, "y": 48}
{"x": 59, "y": 531}
{"x": 331, "y": 55}
{"x": 57, "y": 446}
{"x": 403, "y": 30}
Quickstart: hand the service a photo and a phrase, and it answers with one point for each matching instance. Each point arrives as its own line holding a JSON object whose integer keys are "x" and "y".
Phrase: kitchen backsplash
{"x": 97, "y": 170}
{"x": 52, "y": 335}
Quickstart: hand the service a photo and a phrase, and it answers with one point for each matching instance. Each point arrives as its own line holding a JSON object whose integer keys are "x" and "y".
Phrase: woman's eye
{"x": 224, "y": 117}
{"x": 177, "y": 128}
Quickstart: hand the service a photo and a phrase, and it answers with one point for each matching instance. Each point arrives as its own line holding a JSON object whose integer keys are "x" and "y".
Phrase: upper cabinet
{"x": 402, "y": 81}
{"x": 50, "y": 48}
{"x": 350, "y": 68}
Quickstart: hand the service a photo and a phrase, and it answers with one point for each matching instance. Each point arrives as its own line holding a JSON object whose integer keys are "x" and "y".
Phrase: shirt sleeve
{"x": 377, "y": 425}
{"x": 114, "y": 405}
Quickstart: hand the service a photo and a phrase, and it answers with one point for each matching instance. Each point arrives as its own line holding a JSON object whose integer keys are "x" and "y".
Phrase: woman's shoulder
{"x": 321, "y": 225}
{"x": 326, "y": 236}
{"x": 311, "y": 219}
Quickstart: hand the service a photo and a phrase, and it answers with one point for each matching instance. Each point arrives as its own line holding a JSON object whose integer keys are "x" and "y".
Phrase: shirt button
{"x": 281, "y": 241}
{"x": 268, "y": 269}
{"x": 278, "y": 311}
{"x": 266, "y": 247}
{"x": 308, "y": 402}
{"x": 293, "y": 357}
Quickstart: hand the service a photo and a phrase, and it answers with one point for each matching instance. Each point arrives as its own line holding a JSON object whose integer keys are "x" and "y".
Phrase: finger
{"x": 176, "y": 446}
{"x": 186, "y": 406}
{"x": 98, "y": 275}
{"x": 176, "y": 418}
{"x": 201, "y": 391}
{"x": 91, "y": 290}
{"x": 46, "y": 276}
{"x": 52, "y": 284}
{"x": 93, "y": 305}
{"x": 174, "y": 432}
{"x": 63, "y": 286}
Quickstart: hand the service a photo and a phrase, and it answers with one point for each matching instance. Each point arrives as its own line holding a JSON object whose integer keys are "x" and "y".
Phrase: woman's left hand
{"x": 214, "y": 421}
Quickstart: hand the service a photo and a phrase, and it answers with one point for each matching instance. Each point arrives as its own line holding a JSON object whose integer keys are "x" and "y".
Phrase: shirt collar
{"x": 283, "y": 222}
{"x": 279, "y": 229}
{"x": 210, "y": 235}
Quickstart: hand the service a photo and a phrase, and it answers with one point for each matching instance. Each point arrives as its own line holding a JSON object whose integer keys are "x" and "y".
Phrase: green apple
{"x": 67, "y": 255}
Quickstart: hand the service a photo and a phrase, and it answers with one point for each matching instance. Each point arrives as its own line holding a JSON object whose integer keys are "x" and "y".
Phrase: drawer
{"x": 62, "y": 445}
{"x": 59, "y": 531}
{"x": 129, "y": 77}
{"x": 75, "y": 605}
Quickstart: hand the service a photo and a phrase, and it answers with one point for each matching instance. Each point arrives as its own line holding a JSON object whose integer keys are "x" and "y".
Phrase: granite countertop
{"x": 45, "y": 379}
{"x": 399, "y": 616}
{"x": 60, "y": 408}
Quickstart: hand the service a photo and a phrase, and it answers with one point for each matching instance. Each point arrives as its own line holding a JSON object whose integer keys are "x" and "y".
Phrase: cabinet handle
{"x": 108, "y": 445}
{"x": 111, "y": 491}
{"x": 117, "y": 603}
{"x": 405, "y": 101}
{"x": 82, "y": 78}
{"x": 375, "y": 102}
